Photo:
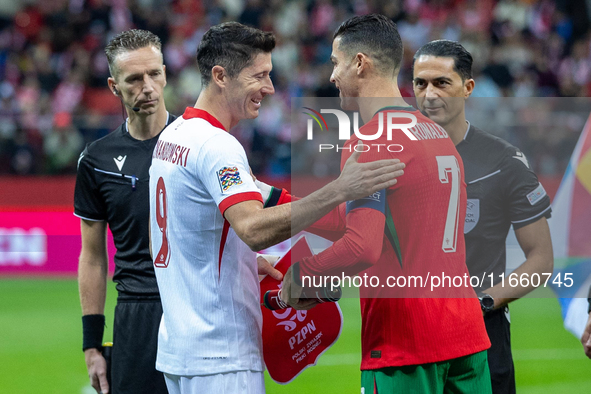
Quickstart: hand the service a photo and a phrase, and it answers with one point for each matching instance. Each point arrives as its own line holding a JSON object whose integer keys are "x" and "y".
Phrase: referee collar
{"x": 467, "y": 130}
{"x": 192, "y": 112}
{"x": 166, "y": 124}
{"x": 466, "y": 136}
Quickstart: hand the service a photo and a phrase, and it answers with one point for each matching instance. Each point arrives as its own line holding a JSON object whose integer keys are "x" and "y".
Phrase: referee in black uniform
{"x": 502, "y": 191}
{"x": 112, "y": 188}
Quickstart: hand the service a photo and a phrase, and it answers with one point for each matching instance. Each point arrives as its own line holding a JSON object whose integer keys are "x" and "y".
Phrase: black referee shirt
{"x": 502, "y": 190}
{"x": 112, "y": 185}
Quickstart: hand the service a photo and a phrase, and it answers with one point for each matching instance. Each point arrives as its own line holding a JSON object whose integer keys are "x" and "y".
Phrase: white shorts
{"x": 243, "y": 382}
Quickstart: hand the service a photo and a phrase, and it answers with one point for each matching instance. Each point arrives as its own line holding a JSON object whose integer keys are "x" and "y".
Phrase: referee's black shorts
{"x": 500, "y": 358}
{"x": 135, "y": 340}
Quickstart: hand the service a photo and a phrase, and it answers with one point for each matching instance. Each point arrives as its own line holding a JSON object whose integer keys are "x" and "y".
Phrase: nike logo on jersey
{"x": 521, "y": 157}
{"x": 120, "y": 161}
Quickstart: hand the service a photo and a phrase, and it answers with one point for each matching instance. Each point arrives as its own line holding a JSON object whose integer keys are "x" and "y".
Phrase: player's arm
{"x": 271, "y": 196}
{"x": 331, "y": 226}
{"x": 535, "y": 242}
{"x": 528, "y": 208}
{"x": 92, "y": 283}
{"x": 260, "y": 228}
{"x": 357, "y": 250}
{"x": 356, "y": 180}
{"x": 586, "y": 338}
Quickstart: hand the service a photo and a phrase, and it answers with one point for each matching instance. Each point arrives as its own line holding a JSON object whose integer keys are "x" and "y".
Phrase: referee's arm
{"x": 586, "y": 338}
{"x": 93, "y": 266}
{"x": 536, "y": 244}
{"x": 92, "y": 285}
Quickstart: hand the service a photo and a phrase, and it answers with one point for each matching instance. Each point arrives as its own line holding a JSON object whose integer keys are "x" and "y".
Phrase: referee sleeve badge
{"x": 228, "y": 177}
{"x": 537, "y": 194}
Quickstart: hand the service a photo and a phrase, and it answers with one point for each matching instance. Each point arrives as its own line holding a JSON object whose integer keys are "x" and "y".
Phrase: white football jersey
{"x": 206, "y": 275}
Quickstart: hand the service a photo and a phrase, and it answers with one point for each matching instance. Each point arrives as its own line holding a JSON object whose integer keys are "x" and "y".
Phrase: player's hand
{"x": 586, "y": 338}
{"x": 291, "y": 293}
{"x": 97, "y": 370}
{"x": 266, "y": 264}
{"x": 359, "y": 180}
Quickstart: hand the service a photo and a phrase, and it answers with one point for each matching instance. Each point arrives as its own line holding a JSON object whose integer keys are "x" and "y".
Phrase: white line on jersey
{"x": 484, "y": 177}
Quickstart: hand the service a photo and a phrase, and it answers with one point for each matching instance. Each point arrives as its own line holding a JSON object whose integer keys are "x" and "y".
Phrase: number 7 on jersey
{"x": 449, "y": 168}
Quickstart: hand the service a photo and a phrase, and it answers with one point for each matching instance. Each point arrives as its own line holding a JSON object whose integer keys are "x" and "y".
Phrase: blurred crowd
{"x": 53, "y": 71}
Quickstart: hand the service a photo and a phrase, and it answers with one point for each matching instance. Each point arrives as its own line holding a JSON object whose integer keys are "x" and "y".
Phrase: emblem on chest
{"x": 472, "y": 214}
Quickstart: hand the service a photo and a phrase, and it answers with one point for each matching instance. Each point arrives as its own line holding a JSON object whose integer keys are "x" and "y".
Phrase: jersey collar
{"x": 467, "y": 136}
{"x": 408, "y": 108}
{"x": 192, "y": 112}
{"x": 166, "y": 124}
{"x": 467, "y": 130}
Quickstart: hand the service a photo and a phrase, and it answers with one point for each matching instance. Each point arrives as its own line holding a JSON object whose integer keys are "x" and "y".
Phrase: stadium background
{"x": 53, "y": 100}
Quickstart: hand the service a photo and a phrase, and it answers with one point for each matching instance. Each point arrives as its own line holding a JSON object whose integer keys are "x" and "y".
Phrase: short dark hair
{"x": 446, "y": 48}
{"x": 129, "y": 40}
{"x": 375, "y": 35}
{"x": 232, "y": 46}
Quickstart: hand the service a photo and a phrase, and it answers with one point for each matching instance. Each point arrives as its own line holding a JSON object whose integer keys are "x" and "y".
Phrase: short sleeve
{"x": 88, "y": 203}
{"x": 526, "y": 197}
{"x": 223, "y": 168}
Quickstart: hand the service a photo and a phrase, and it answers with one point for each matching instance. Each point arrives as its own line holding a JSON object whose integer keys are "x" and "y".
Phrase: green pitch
{"x": 40, "y": 345}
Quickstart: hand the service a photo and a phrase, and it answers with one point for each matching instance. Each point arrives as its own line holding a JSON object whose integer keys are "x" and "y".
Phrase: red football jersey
{"x": 428, "y": 217}
{"x": 422, "y": 237}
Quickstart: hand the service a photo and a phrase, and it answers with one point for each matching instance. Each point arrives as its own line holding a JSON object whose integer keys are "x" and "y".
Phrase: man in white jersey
{"x": 207, "y": 218}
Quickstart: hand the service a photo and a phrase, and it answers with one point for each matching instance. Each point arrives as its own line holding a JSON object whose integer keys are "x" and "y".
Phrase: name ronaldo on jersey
{"x": 420, "y": 131}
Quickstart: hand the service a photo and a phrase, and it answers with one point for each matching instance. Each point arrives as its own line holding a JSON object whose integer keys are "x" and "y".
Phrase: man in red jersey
{"x": 418, "y": 343}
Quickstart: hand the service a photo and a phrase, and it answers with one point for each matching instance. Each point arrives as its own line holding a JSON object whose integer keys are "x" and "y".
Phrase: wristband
{"x": 284, "y": 197}
{"x": 272, "y": 196}
{"x": 275, "y": 197}
{"x": 93, "y": 327}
